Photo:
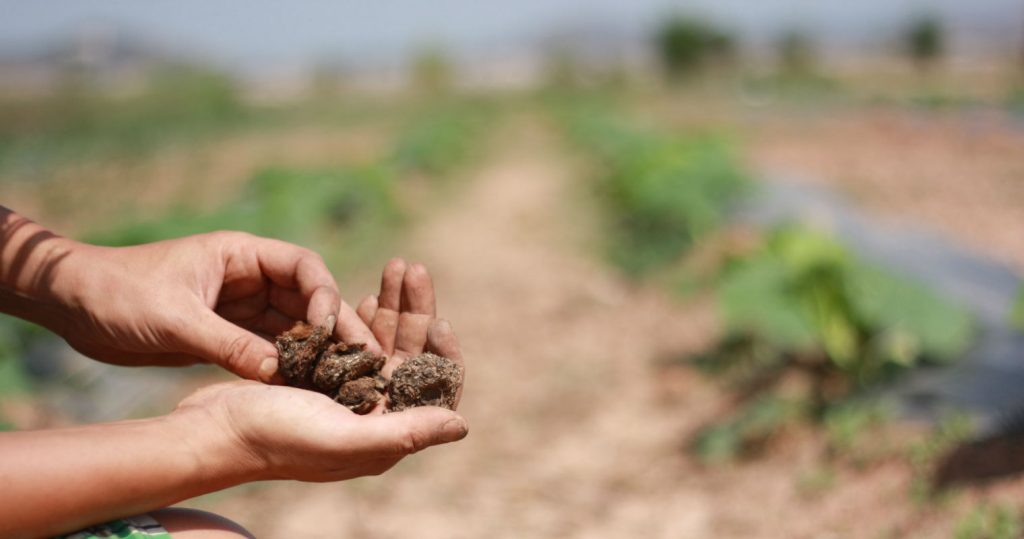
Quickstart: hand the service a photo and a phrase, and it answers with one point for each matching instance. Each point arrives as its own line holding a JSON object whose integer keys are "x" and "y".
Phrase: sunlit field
{"x": 644, "y": 357}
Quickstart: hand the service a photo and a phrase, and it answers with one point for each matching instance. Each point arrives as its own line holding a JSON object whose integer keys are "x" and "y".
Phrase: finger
{"x": 218, "y": 341}
{"x": 385, "y": 323}
{"x": 291, "y": 266}
{"x": 244, "y": 308}
{"x": 289, "y": 301}
{"x": 238, "y": 285}
{"x": 409, "y": 431}
{"x": 367, "y": 309}
{"x": 324, "y": 305}
{"x": 351, "y": 329}
{"x": 441, "y": 340}
{"x": 116, "y": 356}
{"x": 418, "y": 309}
{"x": 270, "y": 322}
{"x": 391, "y": 284}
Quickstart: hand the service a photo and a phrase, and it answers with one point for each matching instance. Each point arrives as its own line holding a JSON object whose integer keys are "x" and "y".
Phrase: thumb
{"x": 220, "y": 342}
{"x": 410, "y": 431}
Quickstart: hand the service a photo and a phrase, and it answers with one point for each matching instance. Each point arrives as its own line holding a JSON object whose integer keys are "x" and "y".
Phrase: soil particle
{"x": 342, "y": 363}
{"x": 425, "y": 380}
{"x": 349, "y": 374}
{"x": 298, "y": 350}
{"x": 359, "y": 395}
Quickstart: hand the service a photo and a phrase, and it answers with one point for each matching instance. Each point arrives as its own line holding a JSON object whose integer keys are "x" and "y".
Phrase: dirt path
{"x": 569, "y": 436}
{"x": 559, "y": 369}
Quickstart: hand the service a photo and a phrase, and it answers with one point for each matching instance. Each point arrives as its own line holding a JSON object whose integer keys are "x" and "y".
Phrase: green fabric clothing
{"x": 137, "y": 527}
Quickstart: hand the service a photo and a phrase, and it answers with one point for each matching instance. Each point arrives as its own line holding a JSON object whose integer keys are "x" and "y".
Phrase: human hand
{"x": 277, "y": 432}
{"x": 403, "y": 318}
{"x": 216, "y": 298}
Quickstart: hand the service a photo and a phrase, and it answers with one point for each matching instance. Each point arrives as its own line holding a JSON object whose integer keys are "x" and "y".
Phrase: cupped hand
{"x": 216, "y": 298}
{"x": 403, "y": 318}
{"x": 279, "y": 432}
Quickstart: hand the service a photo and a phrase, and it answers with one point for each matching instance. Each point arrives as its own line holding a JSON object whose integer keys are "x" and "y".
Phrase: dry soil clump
{"x": 310, "y": 359}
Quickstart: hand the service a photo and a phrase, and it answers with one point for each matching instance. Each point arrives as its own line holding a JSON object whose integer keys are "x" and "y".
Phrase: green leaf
{"x": 908, "y": 314}
{"x": 755, "y": 422}
{"x": 757, "y": 298}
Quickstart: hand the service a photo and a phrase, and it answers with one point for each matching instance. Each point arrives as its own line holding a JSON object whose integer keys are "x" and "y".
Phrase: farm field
{"x": 585, "y": 273}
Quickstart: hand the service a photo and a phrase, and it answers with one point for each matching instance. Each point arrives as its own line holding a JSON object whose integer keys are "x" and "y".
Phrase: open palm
{"x": 403, "y": 318}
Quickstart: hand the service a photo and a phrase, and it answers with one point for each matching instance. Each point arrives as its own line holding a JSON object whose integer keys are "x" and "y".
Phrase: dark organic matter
{"x": 351, "y": 375}
{"x": 359, "y": 395}
{"x": 425, "y": 380}
{"x": 342, "y": 363}
{"x": 298, "y": 350}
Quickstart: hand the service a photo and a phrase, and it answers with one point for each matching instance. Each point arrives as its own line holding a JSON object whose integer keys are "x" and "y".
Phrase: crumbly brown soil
{"x": 360, "y": 395}
{"x": 351, "y": 375}
{"x": 339, "y": 365}
{"x": 425, "y": 380}
{"x": 298, "y": 350}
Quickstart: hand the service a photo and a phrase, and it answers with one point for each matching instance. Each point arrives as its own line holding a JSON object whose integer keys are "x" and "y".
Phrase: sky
{"x": 255, "y": 34}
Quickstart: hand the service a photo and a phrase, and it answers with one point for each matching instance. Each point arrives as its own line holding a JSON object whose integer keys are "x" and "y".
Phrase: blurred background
{"x": 731, "y": 269}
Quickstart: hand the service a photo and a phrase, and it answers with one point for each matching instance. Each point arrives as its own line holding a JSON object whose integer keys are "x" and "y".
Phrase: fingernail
{"x": 454, "y": 429}
{"x": 332, "y": 321}
{"x": 267, "y": 369}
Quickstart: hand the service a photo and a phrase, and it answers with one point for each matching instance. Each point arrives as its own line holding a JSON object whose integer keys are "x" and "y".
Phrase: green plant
{"x": 79, "y": 120}
{"x": 746, "y": 430}
{"x": 847, "y": 424}
{"x": 660, "y": 193}
{"x": 925, "y": 41}
{"x": 923, "y": 455}
{"x": 805, "y": 320}
{"x": 345, "y": 208}
{"x": 803, "y": 294}
{"x": 16, "y": 338}
{"x": 440, "y": 140}
{"x": 1017, "y": 313}
{"x": 687, "y": 45}
{"x": 986, "y": 521}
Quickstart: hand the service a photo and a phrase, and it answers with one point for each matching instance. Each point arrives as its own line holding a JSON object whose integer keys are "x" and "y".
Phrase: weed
{"x": 924, "y": 455}
{"x": 746, "y": 431}
{"x": 986, "y": 521}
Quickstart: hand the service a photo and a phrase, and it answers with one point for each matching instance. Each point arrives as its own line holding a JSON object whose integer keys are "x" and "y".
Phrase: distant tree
{"x": 925, "y": 41}
{"x": 686, "y": 45}
{"x": 796, "y": 53}
{"x": 432, "y": 70}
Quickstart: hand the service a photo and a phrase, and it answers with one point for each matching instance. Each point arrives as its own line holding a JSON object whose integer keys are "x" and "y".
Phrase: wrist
{"x": 219, "y": 458}
{"x": 34, "y": 278}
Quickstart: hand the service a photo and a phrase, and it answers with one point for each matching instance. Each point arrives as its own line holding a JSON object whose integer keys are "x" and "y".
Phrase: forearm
{"x": 33, "y": 272}
{"x": 61, "y": 480}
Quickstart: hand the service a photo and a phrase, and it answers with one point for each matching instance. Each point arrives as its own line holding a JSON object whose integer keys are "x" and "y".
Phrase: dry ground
{"x": 85, "y": 195}
{"x": 574, "y": 430}
{"x": 959, "y": 172}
